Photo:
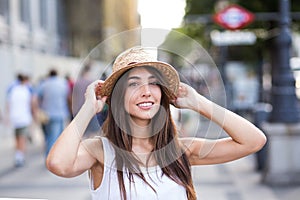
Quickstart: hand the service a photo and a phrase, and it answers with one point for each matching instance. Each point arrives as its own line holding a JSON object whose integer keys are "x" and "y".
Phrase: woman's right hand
{"x": 91, "y": 98}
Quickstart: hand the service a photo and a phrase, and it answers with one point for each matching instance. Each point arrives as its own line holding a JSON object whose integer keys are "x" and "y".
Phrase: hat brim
{"x": 168, "y": 72}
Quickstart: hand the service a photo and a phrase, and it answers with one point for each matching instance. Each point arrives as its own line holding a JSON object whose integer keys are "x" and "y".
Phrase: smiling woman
{"x": 140, "y": 152}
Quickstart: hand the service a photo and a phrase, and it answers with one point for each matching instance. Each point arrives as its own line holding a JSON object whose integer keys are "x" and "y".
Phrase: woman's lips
{"x": 145, "y": 105}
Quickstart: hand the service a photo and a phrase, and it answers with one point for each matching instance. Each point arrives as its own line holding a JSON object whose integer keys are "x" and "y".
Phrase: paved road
{"x": 34, "y": 180}
{"x": 232, "y": 181}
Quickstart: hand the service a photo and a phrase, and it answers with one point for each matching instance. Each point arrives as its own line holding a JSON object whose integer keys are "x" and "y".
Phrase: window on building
{"x": 4, "y": 9}
{"x": 24, "y": 11}
{"x": 43, "y": 14}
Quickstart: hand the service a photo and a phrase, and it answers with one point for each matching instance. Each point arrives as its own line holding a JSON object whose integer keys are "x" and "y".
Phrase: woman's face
{"x": 142, "y": 95}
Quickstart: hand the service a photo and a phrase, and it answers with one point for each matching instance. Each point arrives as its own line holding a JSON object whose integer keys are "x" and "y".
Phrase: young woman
{"x": 140, "y": 155}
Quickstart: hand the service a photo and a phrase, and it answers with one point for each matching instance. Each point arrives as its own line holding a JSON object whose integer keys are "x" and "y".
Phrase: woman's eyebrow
{"x": 134, "y": 77}
{"x": 152, "y": 77}
{"x": 137, "y": 77}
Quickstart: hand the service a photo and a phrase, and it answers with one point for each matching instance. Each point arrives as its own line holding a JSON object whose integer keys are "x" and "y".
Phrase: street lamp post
{"x": 283, "y": 127}
{"x": 284, "y": 100}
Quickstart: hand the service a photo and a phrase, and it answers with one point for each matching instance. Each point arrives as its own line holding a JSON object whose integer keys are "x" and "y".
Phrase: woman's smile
{"x": 145, "y": 105}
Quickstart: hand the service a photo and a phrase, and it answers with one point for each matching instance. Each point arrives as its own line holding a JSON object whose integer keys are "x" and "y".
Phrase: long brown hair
{"x": 166, "y": 150}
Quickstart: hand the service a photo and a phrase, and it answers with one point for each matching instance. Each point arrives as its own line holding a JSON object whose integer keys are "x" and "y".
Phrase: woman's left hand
{"x": 186, "y": 96}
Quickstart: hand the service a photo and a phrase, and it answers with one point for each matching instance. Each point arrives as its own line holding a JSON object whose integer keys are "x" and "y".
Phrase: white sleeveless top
{"x": 109, "y": 188}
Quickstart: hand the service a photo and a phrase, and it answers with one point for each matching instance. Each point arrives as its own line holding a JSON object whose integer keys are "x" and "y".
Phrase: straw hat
{"x": 136, "y": 57}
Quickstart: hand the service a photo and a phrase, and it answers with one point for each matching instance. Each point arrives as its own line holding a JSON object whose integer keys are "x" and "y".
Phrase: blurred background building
{"x": 38, "y": 34}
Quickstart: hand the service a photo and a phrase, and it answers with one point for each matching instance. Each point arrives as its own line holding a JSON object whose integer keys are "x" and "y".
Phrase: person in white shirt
{"x": 20, "y": 101}
{"x": 140, "y": 155}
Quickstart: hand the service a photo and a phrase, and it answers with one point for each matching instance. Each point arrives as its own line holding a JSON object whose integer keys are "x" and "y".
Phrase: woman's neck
{"x": 142, "y": 149}
{"x": 142, "y": 145}
{"x": 140, "y": 130}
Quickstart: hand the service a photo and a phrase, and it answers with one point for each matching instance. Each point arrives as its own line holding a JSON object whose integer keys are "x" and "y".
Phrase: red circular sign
{"x": 233, "y": 17}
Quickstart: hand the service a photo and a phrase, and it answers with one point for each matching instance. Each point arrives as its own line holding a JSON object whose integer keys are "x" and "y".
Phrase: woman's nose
{"x": 145, "y": 90}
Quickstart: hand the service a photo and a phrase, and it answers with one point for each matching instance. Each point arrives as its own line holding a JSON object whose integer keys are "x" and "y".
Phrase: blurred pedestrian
{"x": 78, "y": 99}
{"x": 140, "y": 152}
{"x": 20, "y": 108}
{"x": 53, "y": 100}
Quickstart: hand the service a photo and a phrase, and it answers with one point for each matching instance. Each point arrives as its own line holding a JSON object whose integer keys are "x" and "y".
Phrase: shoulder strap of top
{"x": 109, "y": 152}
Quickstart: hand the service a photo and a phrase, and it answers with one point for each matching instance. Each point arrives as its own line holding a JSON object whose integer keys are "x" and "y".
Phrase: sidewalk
{"x": 34, "y": 181}
{"x": 238, "y": 180}
{"x": 231, "y": 181}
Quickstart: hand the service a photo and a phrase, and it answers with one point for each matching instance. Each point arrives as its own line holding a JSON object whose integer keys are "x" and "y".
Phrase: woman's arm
{"x": 244, "y": 138}
{"x": 70, "y": 156}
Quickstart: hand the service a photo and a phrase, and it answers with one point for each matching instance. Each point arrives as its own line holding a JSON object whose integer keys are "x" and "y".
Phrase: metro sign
{"x": 233, "y": 17}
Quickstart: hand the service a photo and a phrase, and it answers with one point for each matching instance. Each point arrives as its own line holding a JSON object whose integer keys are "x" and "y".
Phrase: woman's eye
{"x": 154, "y": 83}
{"x": 133, "y": 84}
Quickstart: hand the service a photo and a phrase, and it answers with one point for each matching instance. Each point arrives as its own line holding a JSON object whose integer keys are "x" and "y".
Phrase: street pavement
{"x": 34, "y": 181}
{"x": 237, "y": 180}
